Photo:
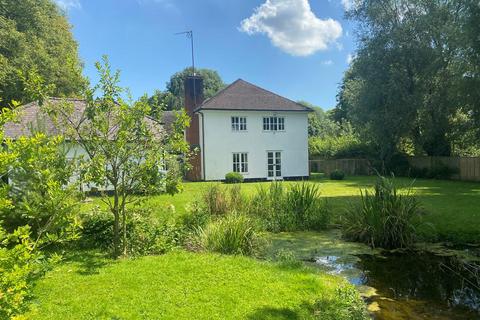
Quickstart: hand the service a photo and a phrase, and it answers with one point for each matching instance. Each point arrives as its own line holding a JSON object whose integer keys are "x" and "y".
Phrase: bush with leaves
{"x": 233, "y": 177}
{"x": 146, "y": 234}
{"x": 385, "y": 218}
{"x": 232, "y": 234}
{"x": 37, "y": 210}
{"x": 298, "y": 207}
{"x": 337, "y": 175}
{"x": 346, "y": 304}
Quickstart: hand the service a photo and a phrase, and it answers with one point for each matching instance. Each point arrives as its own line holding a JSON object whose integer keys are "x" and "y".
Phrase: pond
{"x": 428, "y": 283}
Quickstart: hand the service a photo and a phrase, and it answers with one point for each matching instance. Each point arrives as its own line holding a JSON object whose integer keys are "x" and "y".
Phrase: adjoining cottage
{"x": 243, "y": 128}
{"x": 246, "y": 129}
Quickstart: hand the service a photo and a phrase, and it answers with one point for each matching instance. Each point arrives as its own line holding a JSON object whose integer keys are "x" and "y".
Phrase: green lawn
{"x": 179, "y": 285}
{"x": 452, "y": 207}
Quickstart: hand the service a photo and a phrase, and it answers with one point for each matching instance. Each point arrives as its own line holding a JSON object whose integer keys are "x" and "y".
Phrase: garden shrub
{"x": 20, "y": 265}
{"x": 298, "y": 207}
{"x": 337, "y": 175}
{"x": 149, "y": 235}
{"x": 287, "y": 259}
{"x": 233, "y": 234}
{"x": 194, "y": 216}
{"x": 215, "y": 199}
{"x": 346, "y": 304}
{"x": 146, "y": 234}
{"x": 219, "y": 200}
{"x": 343, "y": 146}
{"x": 233, "y": 177}
{"x": 97, "y": 229}
{"x": 384, "y": 218}
{"x": 441, "y": 171}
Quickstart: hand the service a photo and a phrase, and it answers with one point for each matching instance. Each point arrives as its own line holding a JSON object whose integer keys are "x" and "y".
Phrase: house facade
{"x": 246, "y": 129}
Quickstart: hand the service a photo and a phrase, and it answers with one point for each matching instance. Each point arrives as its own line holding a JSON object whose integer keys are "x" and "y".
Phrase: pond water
{"x": 423, "y": 284}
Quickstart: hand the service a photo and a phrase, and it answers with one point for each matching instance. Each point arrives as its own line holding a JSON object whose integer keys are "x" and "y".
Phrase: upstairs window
{"x": 273, "y": 124}
{"x": 239, "y": 124}
{"x": 240, "y": 162}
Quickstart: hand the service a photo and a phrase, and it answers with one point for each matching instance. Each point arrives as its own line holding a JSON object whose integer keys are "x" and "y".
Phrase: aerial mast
{"x": 189, "y": 34}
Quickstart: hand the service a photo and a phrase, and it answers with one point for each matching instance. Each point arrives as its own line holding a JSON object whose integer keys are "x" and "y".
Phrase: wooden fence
{"x": 468, "y": 168}
{"x": 351, "y": 167}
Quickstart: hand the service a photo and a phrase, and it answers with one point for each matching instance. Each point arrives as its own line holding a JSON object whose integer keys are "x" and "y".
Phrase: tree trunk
{"x": 116, "y": 226}
{"x": 124, "y": 231}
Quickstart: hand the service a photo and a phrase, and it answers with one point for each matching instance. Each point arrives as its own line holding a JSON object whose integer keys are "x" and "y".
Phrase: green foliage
{"x": 146, "y": 234}
{"x": 233, "y": 177}
{"x": 441, "y": 171}
{"x": 231, "y": 234}
{"x": 219, "y": 201}
{"x": 337, "y": 175}
{"x": 38, "y": 188}
{"x": 37, "y": 210}
{"x": 344, "y": 145}
{"x": 413, "y": 76}
{"x": 20, "y": 265}
{"x": 346, "y": 304}
{"x": 126, "y": 150}
{"x": 173, "y": 97}
{"x": 298, "y": 207}
{"x": 386, "y": 218}
{"x": 38, "y": 54}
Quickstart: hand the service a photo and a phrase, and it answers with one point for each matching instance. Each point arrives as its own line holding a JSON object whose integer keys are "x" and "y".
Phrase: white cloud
{"x": 350, "y": 58}
{"x": 347, "y": 4}
{"x": 350, "y": 4}
{"x": 292, "y": 26}
{"x": 327, "y": 62}
{"x": 69, "y": 4}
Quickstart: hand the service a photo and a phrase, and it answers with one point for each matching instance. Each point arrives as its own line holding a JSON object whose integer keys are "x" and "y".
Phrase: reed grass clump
{"x": 233, "y": 234}
{"x": 385, "y": 218}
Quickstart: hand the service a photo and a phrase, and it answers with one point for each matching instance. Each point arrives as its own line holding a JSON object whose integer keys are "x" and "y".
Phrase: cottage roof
{"x": 244, "y": 96}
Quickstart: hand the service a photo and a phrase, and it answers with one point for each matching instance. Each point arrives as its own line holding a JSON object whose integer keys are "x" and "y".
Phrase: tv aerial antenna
{"x": 189, "y": 35}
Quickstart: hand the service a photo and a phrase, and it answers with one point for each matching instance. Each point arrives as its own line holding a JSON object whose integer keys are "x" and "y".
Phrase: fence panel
{"x": 468, "y": 167}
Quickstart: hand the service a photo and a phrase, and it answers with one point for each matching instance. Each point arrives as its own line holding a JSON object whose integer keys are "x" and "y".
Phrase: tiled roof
{"x": 242, "y": 95}
{"x": 33, "y": 117}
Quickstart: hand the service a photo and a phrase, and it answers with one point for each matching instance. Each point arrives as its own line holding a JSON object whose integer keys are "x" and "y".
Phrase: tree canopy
{"x": 38, "y": 55}
{"x": 414, "y": 85}
{"x": 172, "y": 98}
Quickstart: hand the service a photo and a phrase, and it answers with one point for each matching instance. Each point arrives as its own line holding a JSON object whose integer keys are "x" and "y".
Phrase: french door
{"x": 274, "y": 164}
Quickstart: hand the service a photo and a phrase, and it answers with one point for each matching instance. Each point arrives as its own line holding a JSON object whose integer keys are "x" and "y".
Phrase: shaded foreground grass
{"x": 180, "y": 285}
{"x": 452, "y": 208}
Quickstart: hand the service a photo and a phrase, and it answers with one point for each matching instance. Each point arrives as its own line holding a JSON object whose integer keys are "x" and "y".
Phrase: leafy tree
{"x": 406, "y": 81}
{"x": 36, "y": 210}
{"x": 37, "y": 47}
{"x": 126, "y": 150}
{"x": 172, "y": 98}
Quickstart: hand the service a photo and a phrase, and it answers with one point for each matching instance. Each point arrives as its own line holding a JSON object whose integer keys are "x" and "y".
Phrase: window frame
{"x": 236, "y": 126}
{"x": 240, "y": 162}
{"x": 273, "y": 123}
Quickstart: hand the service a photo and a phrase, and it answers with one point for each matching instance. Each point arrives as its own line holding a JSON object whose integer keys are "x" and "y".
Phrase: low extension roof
{"x": 32, "y": 117}
{"x": 244, "y": 96}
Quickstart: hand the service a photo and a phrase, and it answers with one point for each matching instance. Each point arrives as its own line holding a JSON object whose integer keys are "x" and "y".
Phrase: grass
{"x": 452, "y": 207}
{"x": 181, "y": 285}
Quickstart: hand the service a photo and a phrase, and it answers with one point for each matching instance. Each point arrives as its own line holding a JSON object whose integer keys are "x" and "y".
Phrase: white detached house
{"x": 246, "y": 129}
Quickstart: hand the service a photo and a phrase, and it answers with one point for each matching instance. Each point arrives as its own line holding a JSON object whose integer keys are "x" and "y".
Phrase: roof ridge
{"x": 276, "y": 94}
{"x": 260, "y": 91}
{"x": 217, "y": 94}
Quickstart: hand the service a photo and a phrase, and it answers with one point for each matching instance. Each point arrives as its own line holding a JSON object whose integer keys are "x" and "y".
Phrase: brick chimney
{"x": 194, "y": 98}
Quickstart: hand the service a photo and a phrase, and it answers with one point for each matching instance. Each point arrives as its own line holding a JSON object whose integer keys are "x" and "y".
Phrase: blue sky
{"x": 296, "y": 48}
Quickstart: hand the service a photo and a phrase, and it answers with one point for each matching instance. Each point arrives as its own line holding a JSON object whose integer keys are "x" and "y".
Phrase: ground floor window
{"x": 240, "y": 162}
{"x": 274, "y": 164}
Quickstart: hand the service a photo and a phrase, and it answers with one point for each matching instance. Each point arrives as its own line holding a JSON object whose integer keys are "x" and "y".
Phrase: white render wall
{"x": 221, "y": 142}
